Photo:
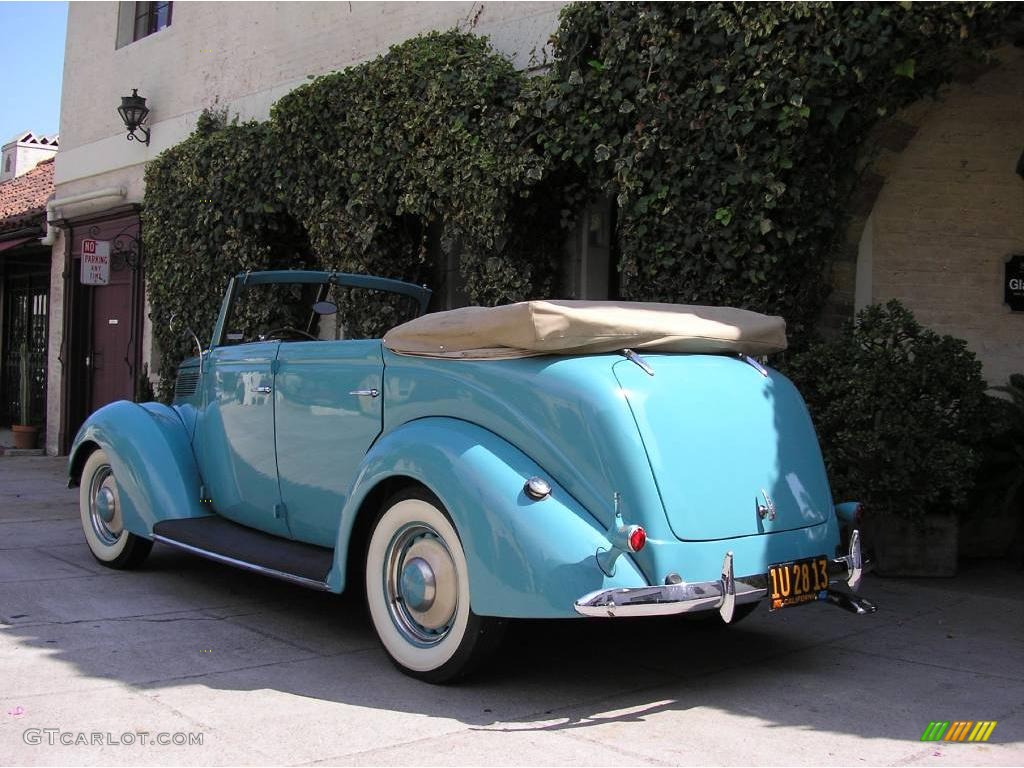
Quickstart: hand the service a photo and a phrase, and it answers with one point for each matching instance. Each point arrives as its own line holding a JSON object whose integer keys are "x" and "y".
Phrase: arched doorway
{"x": 941, "y": 210}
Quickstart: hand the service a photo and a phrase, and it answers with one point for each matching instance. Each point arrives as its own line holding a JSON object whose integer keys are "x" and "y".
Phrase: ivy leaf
{"x": 837, "y": 113}
{"x": 724, "y": 216}
{"x": 904, "y": 69}
{"x": 602, "y": 152}
{"x": 596, "y": 65}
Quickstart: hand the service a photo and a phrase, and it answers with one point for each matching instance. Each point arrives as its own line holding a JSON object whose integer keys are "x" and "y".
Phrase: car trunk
{"x": 733, "y": 451}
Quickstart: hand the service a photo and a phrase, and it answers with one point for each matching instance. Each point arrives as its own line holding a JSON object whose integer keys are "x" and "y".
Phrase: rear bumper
{"x": 722, "y": 595}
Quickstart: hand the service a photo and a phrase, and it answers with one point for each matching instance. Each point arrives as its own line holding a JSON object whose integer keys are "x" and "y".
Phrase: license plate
{"x": 797, "y": 582}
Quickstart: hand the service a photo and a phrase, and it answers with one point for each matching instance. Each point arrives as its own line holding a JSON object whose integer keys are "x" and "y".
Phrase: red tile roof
{"x": 26, "y": 195}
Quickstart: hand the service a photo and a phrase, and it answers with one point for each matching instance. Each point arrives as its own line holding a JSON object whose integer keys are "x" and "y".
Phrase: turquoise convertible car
{"x": 548, "y": 459}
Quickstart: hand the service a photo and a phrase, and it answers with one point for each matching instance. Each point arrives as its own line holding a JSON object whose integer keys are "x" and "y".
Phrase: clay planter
{"x": 24, "y": 436}
{"x": 924, "y": 547}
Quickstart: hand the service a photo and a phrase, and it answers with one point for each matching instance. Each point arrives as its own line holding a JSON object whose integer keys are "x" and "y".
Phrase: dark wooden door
{"x": 106, "y": 335}
{"x": 111, "y": 357}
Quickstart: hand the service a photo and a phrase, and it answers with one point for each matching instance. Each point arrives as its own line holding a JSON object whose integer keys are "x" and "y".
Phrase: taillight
{"x": 636, "y": 539}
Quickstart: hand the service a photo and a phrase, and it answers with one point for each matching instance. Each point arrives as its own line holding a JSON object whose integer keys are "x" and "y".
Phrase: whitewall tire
{"x": 99, "y": 504}
{"x": 417, "y": 591}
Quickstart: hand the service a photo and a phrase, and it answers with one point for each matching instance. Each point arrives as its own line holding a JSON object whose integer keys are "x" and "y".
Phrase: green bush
{"x": 727, "y": 134}
{"x": 899, "y": 410}
{"x": 353, "y": 172}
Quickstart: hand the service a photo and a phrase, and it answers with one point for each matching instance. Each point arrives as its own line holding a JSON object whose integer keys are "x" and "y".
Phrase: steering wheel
{"x": 287, "y": 329}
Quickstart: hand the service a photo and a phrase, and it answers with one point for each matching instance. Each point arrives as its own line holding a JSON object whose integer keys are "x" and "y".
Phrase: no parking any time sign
{"x": 95, "y": 262}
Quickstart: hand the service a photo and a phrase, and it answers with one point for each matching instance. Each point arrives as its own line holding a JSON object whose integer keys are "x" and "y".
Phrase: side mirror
{"x": 176, "y": 328}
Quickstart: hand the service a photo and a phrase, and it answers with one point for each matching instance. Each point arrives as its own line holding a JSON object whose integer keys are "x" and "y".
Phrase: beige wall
{"x": 951, "y": 211}
{"x": 24, "y": 157}
{"x": 54, "y": 367}
{"x": 243, "y": 56}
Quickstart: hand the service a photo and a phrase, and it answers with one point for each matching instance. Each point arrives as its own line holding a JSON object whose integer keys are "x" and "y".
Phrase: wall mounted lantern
{"x": 133, "y": 111}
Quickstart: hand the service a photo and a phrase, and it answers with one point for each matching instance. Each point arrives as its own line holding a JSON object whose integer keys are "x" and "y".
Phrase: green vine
{"x": 727, "y": 134}
{"x": 356, "y": 171}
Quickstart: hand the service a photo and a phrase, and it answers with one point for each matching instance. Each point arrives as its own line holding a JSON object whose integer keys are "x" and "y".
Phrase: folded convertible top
{"x": 532, "y": 328}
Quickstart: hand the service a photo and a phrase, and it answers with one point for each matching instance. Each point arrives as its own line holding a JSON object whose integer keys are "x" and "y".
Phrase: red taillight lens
{"x": 637, "y": 539}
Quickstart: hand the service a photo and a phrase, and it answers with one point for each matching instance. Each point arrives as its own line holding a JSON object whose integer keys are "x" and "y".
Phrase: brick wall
{"x": 949, "y": 212}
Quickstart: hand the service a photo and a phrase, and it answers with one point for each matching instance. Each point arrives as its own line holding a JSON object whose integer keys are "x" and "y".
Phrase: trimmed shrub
{"x": 899, "y": 410}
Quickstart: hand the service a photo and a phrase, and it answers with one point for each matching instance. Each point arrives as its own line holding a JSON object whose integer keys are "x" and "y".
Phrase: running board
{"x": 223, "y": 541}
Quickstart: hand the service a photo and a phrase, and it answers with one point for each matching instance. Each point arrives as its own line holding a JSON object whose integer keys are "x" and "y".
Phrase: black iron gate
{"x": 26, "y": 313}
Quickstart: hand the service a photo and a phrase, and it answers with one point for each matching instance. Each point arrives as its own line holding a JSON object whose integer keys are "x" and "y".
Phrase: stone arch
{"x": 938, "y": 208}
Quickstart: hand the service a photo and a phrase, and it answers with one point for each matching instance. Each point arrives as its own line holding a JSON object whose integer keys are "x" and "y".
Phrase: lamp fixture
{"x": 133, "y": 111}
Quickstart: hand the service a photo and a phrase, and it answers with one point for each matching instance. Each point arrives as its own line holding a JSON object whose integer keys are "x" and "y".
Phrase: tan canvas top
{"x": 581, "y": 327}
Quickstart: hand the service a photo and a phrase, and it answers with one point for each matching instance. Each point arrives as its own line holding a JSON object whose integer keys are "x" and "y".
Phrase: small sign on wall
{"x": 95, "y": 262}
{"x": 1013, "y": 283}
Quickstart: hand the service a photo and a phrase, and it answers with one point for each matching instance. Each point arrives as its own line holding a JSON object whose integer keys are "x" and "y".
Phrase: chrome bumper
{"x": 722, "y": 595}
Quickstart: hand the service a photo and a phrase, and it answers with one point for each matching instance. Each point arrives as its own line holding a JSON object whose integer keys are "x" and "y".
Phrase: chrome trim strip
{"x": 365, "y": 392}
{"x": 302, "y": 581}
{"x": 633, "y": 357}
{"x": 755, "y": 365}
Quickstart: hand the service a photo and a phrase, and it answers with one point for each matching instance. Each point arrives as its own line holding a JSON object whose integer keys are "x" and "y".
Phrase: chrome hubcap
{"x": 105, "y": 504}
{"x": 104, "y": 508}
{"x": 419, "y": 588}
{"x": 421, "y": 584}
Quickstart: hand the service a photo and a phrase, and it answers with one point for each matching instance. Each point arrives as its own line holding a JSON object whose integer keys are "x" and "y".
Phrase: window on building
{"x": 138, "y": 20}
{"x": 7, "y": 163}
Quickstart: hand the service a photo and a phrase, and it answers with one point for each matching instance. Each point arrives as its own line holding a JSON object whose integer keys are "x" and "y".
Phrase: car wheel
{"x": 100, "y": 507}
{"x": 417, "y": 591}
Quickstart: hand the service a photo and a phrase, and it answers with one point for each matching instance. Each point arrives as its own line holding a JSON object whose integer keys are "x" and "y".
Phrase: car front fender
{"x": 152, "y": 460}
{"x": 526, "y": 558}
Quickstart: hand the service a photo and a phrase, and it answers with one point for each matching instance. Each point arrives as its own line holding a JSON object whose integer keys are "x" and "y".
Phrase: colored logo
{"x": 959, "y": 730}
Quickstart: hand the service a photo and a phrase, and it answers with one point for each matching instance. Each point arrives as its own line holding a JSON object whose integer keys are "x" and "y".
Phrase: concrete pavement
{"x": 264, "y": 672}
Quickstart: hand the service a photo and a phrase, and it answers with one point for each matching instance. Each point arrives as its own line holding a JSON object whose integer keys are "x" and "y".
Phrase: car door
{"x": 235, "y": 436}
{"x": 328, "y": 412}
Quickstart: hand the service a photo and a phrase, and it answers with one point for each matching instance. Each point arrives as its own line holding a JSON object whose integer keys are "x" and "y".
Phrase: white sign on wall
{"x": 95, "y": 262}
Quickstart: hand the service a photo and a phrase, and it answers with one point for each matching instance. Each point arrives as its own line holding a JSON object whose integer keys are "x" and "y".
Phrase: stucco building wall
{"x": 244, "y": 56}
{"x": 950, "y": 213}
{"x": 240, "y": 56}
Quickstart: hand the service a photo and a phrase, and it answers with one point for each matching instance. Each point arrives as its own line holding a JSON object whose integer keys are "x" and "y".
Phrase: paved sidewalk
{"x": 271, "y": 673}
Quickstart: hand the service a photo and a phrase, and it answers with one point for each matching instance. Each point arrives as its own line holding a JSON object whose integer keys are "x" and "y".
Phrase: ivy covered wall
{"x": 727, "y": 134}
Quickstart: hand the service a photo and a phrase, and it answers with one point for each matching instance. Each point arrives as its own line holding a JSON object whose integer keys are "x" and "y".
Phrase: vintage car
{"x": 547, "y": 459}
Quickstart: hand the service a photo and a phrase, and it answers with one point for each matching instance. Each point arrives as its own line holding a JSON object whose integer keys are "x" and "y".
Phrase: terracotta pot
{"x": 925, "y": 547}
{"x": 24, "y": 436}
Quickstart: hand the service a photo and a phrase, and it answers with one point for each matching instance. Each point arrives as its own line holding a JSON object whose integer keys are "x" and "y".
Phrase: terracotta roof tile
{"x": 26, "y": 195}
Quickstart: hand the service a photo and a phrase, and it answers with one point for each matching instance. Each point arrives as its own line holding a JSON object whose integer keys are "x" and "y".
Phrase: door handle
{"x": 364, "y": 392}
{"x": 262, "y": 390}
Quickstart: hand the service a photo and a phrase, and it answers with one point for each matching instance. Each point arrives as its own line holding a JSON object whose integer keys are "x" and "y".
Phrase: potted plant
{"x": 900, "y": 412}
{"x": 25, "y": 433}
{"x": 996, "y": 525}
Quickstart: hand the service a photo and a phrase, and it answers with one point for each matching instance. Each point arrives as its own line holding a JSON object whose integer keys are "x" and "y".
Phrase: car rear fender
{"x": 149, "y": 451}
{"x": 526, "y": 558}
